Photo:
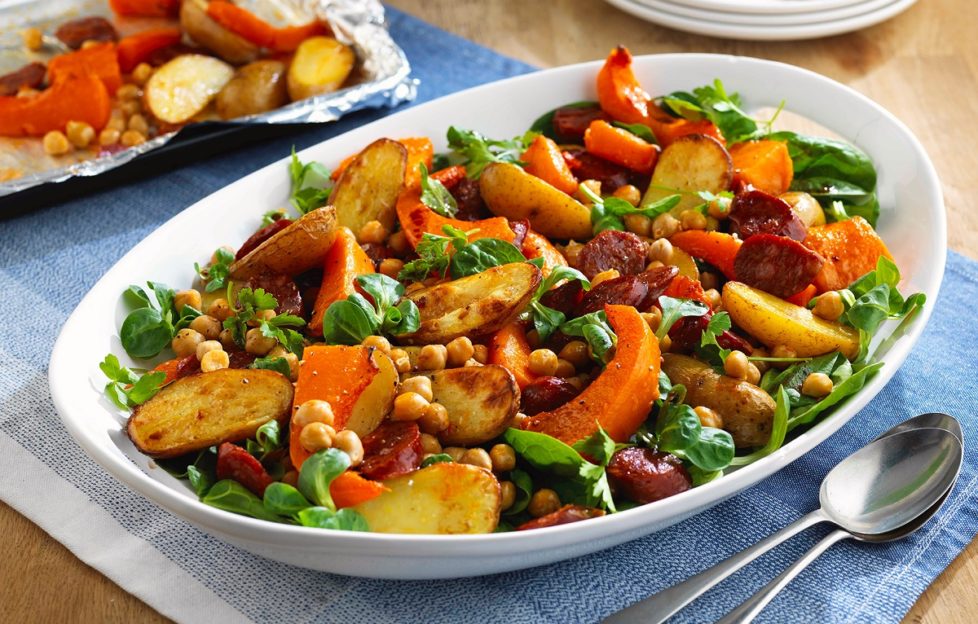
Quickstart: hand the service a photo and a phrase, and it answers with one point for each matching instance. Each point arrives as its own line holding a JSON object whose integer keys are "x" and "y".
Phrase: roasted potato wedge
{"x": 369, "y": 186}
{"x": 692, "y": 163}
{"x": 746, "y": 410}
{"x": 481, "y": 402}
{"x": 515, "y": 194}
{"x": 230, "y": 46}
{"x": 377, "y": 399}
{"x": 184, "y": 87}
{"x": 806, "y": 206}
{"x": 774, "y": 321}
{"x": 685, "y": 263}
{"x": 299, "y": 247}
{"x": 202, "y": 410}
{"x": 473, "y": 306}
{"x": 320, "y": 65}
{"x": 255, "y": 88}
{"x": 443, "y": 498}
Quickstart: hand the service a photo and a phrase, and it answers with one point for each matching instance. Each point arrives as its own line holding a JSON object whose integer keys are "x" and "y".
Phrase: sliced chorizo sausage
{"x": 570, "y": 122}
{"x": 776, "y": 264}
{"x": 233, "y": 462}
{"x": 625, "y": 290}
{"x": 393, "y": 448}
{"x": 587, "y": 166}
{"x": 564, "y": 298}
{"x": 76, "y": 32}
{"x": 564, "y": 515}
{"x": 261, "y": 236}
{"x": 283, "y": 288}
{"x": 686, "y": 333}
{"x": 546, "y": 394}
{"x": 757, "y": 212}
{"x": 29, "y": 76}
{"x": 623, "y": 251}
{"x": 657, "y": 280}
{"x": 468, "y": 198}
{"x": 645, "y": 476}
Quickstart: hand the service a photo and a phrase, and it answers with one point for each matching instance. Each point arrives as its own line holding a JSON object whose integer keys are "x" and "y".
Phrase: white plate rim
{"x": 777, "y": 7}
{"x": 678, "y": 8}
{"x": 294, "y": 537}
{"x": 759, "y": 32}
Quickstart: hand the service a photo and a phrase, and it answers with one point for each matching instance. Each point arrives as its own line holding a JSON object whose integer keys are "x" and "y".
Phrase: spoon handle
{"x": 659, "y": 607}
{"x": 746, "y": 612}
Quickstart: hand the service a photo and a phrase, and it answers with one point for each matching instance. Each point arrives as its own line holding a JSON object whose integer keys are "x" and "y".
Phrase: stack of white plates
{"x": 764, "y": 19}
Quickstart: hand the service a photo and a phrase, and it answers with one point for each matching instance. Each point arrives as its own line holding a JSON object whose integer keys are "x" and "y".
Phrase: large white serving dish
{"x": 912, "y": 223}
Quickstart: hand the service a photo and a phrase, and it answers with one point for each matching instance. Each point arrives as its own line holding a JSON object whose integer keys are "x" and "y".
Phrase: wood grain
{"x": 922, "y": 66}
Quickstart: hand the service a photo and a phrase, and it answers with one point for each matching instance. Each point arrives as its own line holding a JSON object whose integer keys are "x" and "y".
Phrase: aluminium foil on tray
{"x": 381, "y": 77}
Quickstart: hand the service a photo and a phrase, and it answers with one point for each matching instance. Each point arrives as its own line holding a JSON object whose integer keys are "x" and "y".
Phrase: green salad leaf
{"x": 596, "y": 331}
{"x": 546, "y": 320}
{"x": 608, "y": 213}
{"x": 642, "y": 131}
{"x": 674, "y": 309}
{"x": 217, "y": 273}
{"x": 231, "y": 496}
{"x": 478, "y": 151}
{"x": 725, "y": 110}
{"x": 150, "y": 327}
{"x": 678, "y": 431}
{"x": 126, "y": 388}
{"x": 435, "y": 196}
{"x": 351, "y": 320}
{"x": 310, "y": 184}
{"x": 318, "y": 471}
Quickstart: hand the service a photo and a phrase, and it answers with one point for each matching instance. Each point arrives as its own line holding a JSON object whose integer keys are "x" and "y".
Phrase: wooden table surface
{"x": 922, "y": 66}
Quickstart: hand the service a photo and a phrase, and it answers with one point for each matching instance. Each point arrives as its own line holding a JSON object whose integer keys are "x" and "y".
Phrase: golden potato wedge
{"x": 320, "y": 65}
{"x": 185, "y": 86}
{"x": 746, "y": 410}
{"x": 377, "y": 399}
{"x": 774, "y": 321}
{"x": 255, "y": 88}
{"x": 199, "y": 411}
{"x": 228, "y": 45}
{"x": 689, "y": 165}
{"x": 481, "y": 402}
{"x": 443, "y": 499}
{"x": 685, "y": 263}
{"x": 369, "y": 186}
{"x": 299, "y": 247}
{"x": 475, "y": 305}
{"x": 806, "y": 206}
{"x": 515, "y": 194}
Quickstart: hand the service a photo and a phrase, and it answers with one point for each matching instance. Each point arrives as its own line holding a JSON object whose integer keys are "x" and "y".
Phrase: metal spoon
{"x": 866, "y": 471}
{"x": 749, "y": 610}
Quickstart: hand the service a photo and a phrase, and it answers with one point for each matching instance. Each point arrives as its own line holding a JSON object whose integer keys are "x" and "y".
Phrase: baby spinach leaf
{"x": 678, "y": 431}
{"x": 437, "y": 458}
{"x": 232, "y": 496}
{"x": 478, "y": 151}
{"x": 267, "y": 439}
{"x": 145, "y": 333}
{"x": 779, "y": 428}
{"x": 435, "y": 196}
{"x": 351, "y": 320}
{"x": 674, "y": 309}
{"x": 642, "y": 131}
{"x": 284, "y": 500}
{"x": 853, "y": 384}
{"x": 384, "y": 290}
{"x": 724, "y": 110}
{"x": 599, "y": 447}
{"x": 277, "y": 364}
{"x": 482, "y": 254}
{"x": 318, "y": 471}
{"x": 547, "y": 320}
{"x": 524, "y": 490}
{"x": 200, "y": 479}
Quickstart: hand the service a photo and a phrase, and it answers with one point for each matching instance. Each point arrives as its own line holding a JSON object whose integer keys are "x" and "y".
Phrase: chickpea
{"x": 736, "y": 365}
{"x": 128, "y": 92}
{"x": 638, "y": 224}
{"x": 257, "y": 343}
{"x": 753, "y": 374}
{"x": 629, "y": 193}
{"x": 533, "y": 339}
{"x": 185, "y": 342}
{"x": 782, "y": 351}
{"x": 653, "y": 318}
{"x": 708, "y": 417}
{"x": 220, "y": 310}
{"x": 575, "y": 352}
{"x": 709, "y": 280}
{"x": 213, "y": 360}
{"x": 432, "y": 357}
{"x": 572, "y": 251}
{"x": 507, "y": 493}
{"x": 131, "y": 138}
{"x": 398, "y": 243}
{"x": 207, "y": 346}
{"x": 226, "y": 338}
{"x": 434, "y": 418}
{"x": 455, "y": 452}
{"x": 33, "y": 39}
{"x": 459, "y": 351}
{"x": 665, "y": 344}
{"x": 391, "y": 267}
{"x": 418, "y": 385}
{"x": 829, "y": 306}
{"x": 378, "y": 342}
{"x": 314, "y": 410}
{"x": 80, "y": 133}
{"x": 604, "y": 276}
{"x": 544, "y": 501}
{"x": 655, "y": 264}
{"x": 692, "y": 220}
{"x": 108, "y": 136}
{"x": 90, "y": 43}
{"x": 56, "y": 143}
{"x": 26, "y": 92}
{"x": 817, "y": 385}
{"x": 519, "y": 419}
{"x": 291, "y": 478}
{"x": 594, "y": 186}
{"x": 543, "y": 362}
{"x": 713, "y": 298}
{"x": 472, "y": 362}
{"x": 402, "y": 361}
{"x": 430, "y": 444}
{"x": 477, "y": 457}
{"x": 480, "y": 353}
{"x": 664, "y": 226}
{"x": 503, "y": 458}
{"x": 186, "y": 297}
{"x": 141, "y": 73}
{"x": 564, "y": 369}
{"x": 349, "y": 442}
{"x": 316, "y": 436}
{"x": 261, "y": 315}
{"x": 138, "y": 123}
{"x": 661, "y": 250}
{"x": 408, "y": 406}
{"x": 373, "y": 232}
{"x": 117, "y": 121}
{"x": 718, "y": 208}
{"x": 762, "y": 367}
{"x": 130, "y": 107}
{"x": 207, "y": 326}
{"x": 290, "y": 358}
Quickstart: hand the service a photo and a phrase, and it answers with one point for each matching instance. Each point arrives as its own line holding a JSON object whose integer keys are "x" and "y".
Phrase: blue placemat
{"x": 49, "y": 259}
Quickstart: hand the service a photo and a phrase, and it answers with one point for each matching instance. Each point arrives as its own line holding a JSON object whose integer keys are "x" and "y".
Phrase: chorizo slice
{"x": 623, "y": 251}
{"x": 233, "y": 462}
{"x": 283, "y": 288}
{"x": 392, "y": 449}
{"x": 564, "y": 298}
{"x": 625, "y": 290}
{"x": 564, "y": 515}
{"x": 546, "y": 394}
{"x": 587, "y": 166}
{"x": 686, "y": 333}
{"x": 570, "y": 122}
{"x": 76, "y": 32}
{"x": 261, "y": 236}
{"x": 757, "y": 212}
{"x": 29, "y": 76}
{"x": 776, "y": 264}
{"x": 657, "y": 280}
{"x": 645, "y": 476}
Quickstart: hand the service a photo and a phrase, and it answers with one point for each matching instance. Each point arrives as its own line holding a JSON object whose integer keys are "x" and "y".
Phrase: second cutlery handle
{"x": 659, "y": 607}
{"x": 746, "y": 612}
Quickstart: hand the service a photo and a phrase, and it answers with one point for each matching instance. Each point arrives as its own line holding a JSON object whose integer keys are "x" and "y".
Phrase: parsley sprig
{"x": 249, "y": 302}
{"x": 478, "y": 151}
{"x": 607, "y": 213}
{"x": 217, "y": 273}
